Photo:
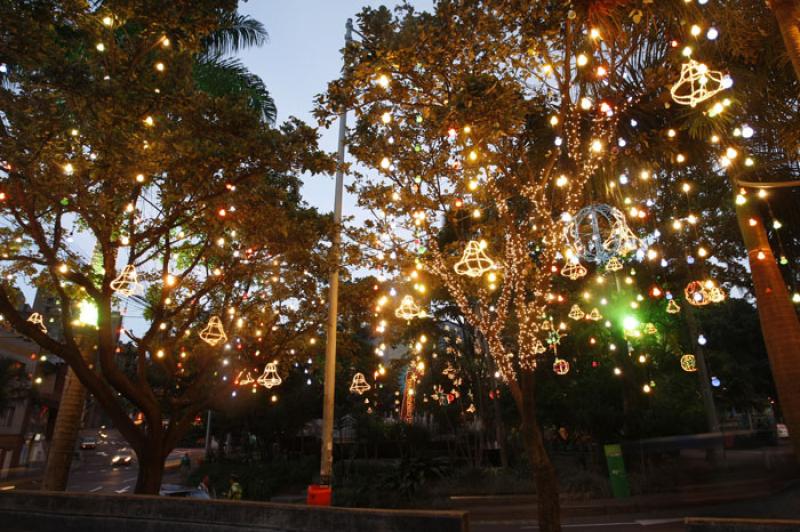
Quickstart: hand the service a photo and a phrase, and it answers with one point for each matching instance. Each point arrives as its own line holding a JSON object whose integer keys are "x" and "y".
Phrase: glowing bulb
{"x": 740, "y": 199}
{"x": 696, "y": 30}
{"x": 586, "y": 103}
{"x": 582, "y": 60}
{"x": 69, "y": 169}
{"x": 561, "y": 181}
{"x": 160, "y": 66}
{"x": 383, "y": 80}
{"x": 385, "y": 163}
{"x": 101, "y": 47}
{"x": 108, "y": 21}
{"x": 386, "y": 117}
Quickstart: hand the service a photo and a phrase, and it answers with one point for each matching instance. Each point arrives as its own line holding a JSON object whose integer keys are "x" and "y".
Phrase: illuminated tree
{"x": 490, "y": 125}
{"x": 109, "y": 140}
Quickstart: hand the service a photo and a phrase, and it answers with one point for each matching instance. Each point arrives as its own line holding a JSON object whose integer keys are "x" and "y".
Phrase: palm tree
{"x": 219, "y": 74}
{"x": 787, "y": 12}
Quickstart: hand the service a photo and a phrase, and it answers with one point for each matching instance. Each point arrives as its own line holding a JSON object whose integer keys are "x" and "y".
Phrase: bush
{"x": 259, "y": 481}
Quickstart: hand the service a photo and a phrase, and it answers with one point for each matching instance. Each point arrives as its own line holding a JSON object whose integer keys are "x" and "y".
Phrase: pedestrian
{"x": 186, "y": 466}
{"x": 235, "y": 489}
{"x": 205, "y": 487}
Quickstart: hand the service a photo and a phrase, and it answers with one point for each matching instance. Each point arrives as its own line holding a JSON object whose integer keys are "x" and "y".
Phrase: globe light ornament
{"x": 599, "y": 233}
{"x": 688, "y": 363}
{"x": 474, "y": 262}
{"x": 359, "y": 384}
{"x": 126, "y": 283}
{"x": 213, "y": 333}
{"x": 560, "y": 366}
{"x": 270, "y": 377}
{"x": 37, "y": 320}
{"x": 408, "y": 309}
{"x": 697, "y": 84}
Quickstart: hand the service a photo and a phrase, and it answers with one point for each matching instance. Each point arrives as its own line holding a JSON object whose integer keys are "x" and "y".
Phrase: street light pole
{"x": 326, "y": 461}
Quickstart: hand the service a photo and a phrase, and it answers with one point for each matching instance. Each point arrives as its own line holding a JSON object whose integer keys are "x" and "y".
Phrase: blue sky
{"x": 303, "y": 54}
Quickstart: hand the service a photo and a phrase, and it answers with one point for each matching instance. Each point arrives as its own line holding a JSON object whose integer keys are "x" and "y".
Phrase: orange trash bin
{"x": 319, "y": 495}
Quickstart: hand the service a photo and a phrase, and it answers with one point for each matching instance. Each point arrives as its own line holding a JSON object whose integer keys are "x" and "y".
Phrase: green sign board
{"x": 616, "y": 471}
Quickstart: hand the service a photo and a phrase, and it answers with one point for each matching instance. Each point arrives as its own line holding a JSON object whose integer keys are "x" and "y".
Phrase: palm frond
{"x": 235, "y": 33}
{"x": 220, "y": 77}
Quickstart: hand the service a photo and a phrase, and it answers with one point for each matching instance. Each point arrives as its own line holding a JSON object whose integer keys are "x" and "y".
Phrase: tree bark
{"x": 787, "y": 12}
{"x": 65, "y": 434}
{"x": 549, "y": 506}
{"x": 779, "y": 322}
{"x": 151, "y": 471}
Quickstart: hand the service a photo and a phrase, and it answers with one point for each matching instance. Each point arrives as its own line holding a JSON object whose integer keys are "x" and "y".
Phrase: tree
{"x": 191, "y": 197}
{"x": 787, "y": 14}
{"x": 488, "y": 121}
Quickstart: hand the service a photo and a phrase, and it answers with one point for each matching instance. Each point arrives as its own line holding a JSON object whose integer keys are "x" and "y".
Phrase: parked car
{"x": 88, "y": 443}
{"x": 782, "y": 430}
{"x": 123, "y": 457}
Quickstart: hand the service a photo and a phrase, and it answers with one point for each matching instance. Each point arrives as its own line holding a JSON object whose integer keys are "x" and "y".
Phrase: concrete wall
{"x": 34, "y": 511}
{"x": 710, "y": 524}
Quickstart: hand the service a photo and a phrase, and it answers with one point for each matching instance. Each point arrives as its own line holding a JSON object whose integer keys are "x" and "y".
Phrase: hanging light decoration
{"x": 697, "y": 84}
{"x": 126, "y": 283}
{"x": 474, "y": 262}
{"x": 270, "y": 377}
{"x": 213, "y": 333}
{"x": 688, "y": 363}
{"x": 576, "y": 313}
{"x": 673, "y": 307}
{"x": 38, "y": 320}
{"x": 359, "y": 384}
{"x": 560, "y": 366}
{"x": 408, "y": 309}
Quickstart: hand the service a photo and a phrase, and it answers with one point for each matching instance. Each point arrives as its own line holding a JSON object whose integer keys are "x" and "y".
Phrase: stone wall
{"x": 35, "y": 511}
{"x": 710, "y": 524}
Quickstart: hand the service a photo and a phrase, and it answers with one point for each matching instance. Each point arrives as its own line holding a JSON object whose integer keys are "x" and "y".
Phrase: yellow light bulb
{"x": 582, "y": 60}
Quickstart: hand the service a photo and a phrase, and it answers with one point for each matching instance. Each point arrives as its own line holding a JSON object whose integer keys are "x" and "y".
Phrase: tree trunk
{"x": 779, "y": 322}
{"x": 549, "y": 506}
{"x": 788, "y": 14}
{"x": 65, "y": 434}
{"x": 151, "y": 472}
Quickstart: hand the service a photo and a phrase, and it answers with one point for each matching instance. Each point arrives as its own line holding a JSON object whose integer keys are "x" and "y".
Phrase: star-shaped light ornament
{"x": 697, "y": 84}
{"x": 474, "y": 262}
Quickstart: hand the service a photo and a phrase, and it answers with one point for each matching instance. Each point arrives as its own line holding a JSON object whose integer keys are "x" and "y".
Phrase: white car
{"x": 123, "y": 457}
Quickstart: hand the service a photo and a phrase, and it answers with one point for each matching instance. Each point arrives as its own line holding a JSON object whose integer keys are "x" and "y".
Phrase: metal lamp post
{"x": 326, "y": 461}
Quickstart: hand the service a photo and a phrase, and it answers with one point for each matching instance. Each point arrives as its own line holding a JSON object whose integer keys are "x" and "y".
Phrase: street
{"x": 92, "y": 470}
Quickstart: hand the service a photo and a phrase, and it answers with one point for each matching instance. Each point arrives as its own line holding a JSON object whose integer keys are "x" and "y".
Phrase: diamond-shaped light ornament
{"x": 270, "y": 377}
{"x": 359, "y": 384}
{"x": 126, "y": 283}
{"x": 474, "y": 262}
{"x": 697, "y": 84}
{"x": 213, "y": 333}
